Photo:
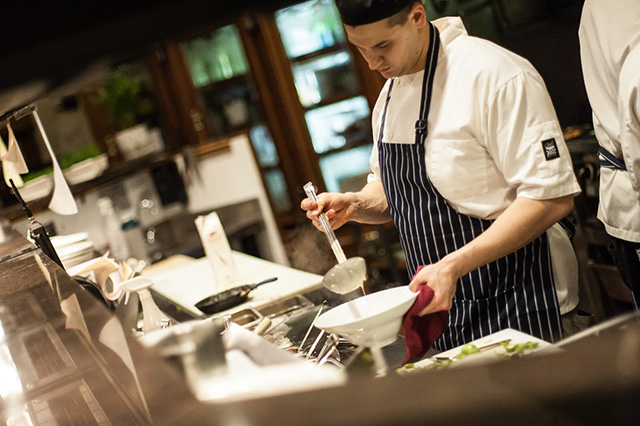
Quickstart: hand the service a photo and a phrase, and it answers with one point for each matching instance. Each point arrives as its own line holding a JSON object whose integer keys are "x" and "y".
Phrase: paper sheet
{"x": 102, "y": 268}
{"x": 75, "y": 319}
{"x": 62, "y": 201}
{"x": 13, "y": 164}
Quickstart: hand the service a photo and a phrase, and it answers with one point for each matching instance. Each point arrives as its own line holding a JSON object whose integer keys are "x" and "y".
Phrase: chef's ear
{"x": 418, "y": 15}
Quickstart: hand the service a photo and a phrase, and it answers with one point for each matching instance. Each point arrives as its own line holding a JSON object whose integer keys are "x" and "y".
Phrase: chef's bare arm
{"x": 369, "y": 205}
{"x": 517, "y": 226}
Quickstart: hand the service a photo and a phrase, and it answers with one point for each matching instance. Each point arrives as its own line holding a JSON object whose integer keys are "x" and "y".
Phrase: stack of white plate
{"x": 73, "y": 249}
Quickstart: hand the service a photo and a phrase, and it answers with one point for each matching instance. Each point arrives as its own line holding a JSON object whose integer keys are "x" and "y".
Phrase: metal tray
{"x": 297, "y": 303}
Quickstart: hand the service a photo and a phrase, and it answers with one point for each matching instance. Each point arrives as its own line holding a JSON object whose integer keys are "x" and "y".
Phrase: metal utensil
{"x": 310, "y": 190}
{"x": 229, "y": 298}
{"x": 480, "y": 349}
{"x": 304, "y": 339}
{"x": 347, "y": 275}
{"x": 315, "y": 343}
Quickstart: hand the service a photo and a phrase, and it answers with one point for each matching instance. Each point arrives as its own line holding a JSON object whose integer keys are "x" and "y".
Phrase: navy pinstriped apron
{"x": 516, "y": 291}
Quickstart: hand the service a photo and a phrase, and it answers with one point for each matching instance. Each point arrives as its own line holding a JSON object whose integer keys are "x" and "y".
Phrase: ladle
{"x": 347, "y": 275}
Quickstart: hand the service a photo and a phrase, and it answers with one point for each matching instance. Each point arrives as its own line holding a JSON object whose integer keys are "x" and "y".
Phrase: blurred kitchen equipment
{"x": 229, "y": 298}
{"x": 196, "y": 346}
{"x": 347, "y": 275}
{"x": 118, "y": 248}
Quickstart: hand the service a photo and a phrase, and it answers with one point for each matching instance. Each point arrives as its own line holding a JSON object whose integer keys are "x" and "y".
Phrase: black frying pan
{"x": 228, "y": 298}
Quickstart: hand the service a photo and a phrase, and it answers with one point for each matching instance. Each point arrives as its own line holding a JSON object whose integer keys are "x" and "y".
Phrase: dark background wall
{"x": 543, "y": 31}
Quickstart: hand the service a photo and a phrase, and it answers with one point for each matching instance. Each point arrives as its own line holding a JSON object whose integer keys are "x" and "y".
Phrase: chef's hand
{"x": 335, "y": 205}
{"x": 442, "y": 279}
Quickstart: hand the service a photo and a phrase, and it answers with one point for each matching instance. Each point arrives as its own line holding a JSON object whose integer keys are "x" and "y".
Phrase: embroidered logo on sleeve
{"x": 550, "y": 149}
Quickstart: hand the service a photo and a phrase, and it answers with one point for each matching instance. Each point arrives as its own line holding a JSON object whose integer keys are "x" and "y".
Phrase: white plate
{"x": 74, "y": 250}
{"x": 490, "y": 355}
{"x": 87, "y": 169}
{"x": 76, "y": 260}
{"x": 60, "y": 241}
{"x": 374, "y": 319}
{"x": 37, "y": 188}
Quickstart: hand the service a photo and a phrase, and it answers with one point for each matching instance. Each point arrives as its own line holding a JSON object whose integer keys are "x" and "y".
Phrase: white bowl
{"x": 37, "y": 188}
{"x": 86, "y": 170}
{"x": 60, "y": 241}
{"x": 371, "y": 320}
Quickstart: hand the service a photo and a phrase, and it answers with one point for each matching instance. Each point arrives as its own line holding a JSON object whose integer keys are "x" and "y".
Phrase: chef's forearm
{"x": 520, "y": 224}
{"x": 369, "y": 204}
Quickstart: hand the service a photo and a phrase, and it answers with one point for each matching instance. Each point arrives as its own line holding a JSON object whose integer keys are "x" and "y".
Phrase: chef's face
{"x": 395, "y": 50}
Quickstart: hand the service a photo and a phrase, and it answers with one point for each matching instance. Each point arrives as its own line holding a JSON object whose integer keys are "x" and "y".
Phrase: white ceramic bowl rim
{"x": 379, "y": 304}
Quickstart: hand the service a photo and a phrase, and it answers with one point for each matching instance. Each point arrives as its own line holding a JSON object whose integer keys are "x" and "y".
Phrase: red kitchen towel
{"x": 421, "y": 332}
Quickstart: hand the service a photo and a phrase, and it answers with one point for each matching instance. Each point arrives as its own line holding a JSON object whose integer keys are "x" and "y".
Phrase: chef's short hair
{"x": 361, "y": 12}
{"x": 401, "y": 17}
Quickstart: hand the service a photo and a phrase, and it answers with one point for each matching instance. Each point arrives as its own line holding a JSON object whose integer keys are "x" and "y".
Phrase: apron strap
{"x": 568, "y": 226}
{"x": 610, "y": 161}
{"x": 427, "y": 82}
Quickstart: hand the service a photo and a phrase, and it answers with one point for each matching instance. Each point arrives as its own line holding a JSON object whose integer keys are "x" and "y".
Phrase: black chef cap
{"x": 361, "y": 12}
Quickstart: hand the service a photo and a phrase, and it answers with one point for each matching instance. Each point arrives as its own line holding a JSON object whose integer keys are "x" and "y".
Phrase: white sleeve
{"x": 526, "y": 142}
{"x": 629, "y": 113}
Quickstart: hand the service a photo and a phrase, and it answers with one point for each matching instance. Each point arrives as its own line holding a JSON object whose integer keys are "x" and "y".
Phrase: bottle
{"x": 152, "y": 317}
{"x": 133, "y": 235}
{"x": 118, "y": 248}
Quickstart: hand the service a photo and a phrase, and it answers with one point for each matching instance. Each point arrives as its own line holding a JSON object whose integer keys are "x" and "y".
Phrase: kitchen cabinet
{"x": 290, "y": 81}
{"x": 220, "y": 74}
{"x": 335, "y": 110}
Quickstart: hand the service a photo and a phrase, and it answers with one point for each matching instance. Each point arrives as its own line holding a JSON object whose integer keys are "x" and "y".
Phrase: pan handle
{"x": 268, "y": 280}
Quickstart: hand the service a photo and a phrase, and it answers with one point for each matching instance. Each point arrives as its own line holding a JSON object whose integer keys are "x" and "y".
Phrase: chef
{"x": 610, "y": 55}
{"x": 470, "y": 163}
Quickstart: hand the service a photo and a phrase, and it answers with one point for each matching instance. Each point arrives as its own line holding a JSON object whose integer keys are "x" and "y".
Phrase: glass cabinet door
{"x": 337, "y": 115}
{"x": 220, "y": 73}
{"x": 218, "y": 70}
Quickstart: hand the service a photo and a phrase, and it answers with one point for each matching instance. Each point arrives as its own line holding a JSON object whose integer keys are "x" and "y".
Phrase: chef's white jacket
{"x": 489, "y": 123}
{"x": 610, "y": 52}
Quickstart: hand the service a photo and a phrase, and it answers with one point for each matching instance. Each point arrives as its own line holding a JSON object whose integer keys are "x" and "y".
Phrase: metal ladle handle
{"x": 310, "y": 190}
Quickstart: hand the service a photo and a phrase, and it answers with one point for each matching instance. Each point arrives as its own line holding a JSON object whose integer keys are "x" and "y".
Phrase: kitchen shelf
{"x": 218, "y": 86}
{"x": 334, "y": 99}
{"x": 114, "y": 172}
{"x": 335, "y": 48}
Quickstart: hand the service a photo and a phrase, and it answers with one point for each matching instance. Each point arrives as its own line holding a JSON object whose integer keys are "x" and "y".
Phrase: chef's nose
{"x": 373, "y": 60}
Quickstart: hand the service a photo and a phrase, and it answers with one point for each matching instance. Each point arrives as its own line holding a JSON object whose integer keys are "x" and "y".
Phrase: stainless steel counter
{"x": 65, "y": 360}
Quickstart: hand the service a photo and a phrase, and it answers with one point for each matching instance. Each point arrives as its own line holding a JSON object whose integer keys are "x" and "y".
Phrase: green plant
{"x": 122, "y": 97}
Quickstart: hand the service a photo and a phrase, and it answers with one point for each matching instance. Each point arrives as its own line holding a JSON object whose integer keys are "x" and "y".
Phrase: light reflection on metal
{"x": 19, "y": 416}
{"x": 10, "y": 385}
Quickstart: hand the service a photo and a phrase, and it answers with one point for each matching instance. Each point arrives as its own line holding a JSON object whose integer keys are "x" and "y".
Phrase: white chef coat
{"x": 490, "y": 113}
{"x": 610, "y": 52}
